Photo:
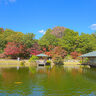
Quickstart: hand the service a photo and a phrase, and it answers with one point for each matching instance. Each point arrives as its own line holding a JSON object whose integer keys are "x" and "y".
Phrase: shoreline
{"x": 12, "y": 63}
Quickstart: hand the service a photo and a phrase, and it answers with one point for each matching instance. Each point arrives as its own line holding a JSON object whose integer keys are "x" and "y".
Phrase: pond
{"x": 58, "y": 81}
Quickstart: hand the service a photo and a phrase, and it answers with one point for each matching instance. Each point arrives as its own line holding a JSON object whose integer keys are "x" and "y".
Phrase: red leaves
{"x": 33, "y": 51}
{"x": 44, "y": 49}
{"x": 75, "y": 54}
{"x": 56, "y": 51}
{"x": 58, "y": 31}
{"x": 48, "y": 53}
{"x": 1, "y": 30}
{"x": 60, "y": 51}
{"x": 2, "y": 55}
{"x": 11, "y": 49}
{"x": 14, "y": 49}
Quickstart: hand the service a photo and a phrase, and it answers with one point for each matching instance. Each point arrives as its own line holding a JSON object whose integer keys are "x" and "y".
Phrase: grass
{"x": 72, "y": 63}
{"x": 12, "y": 63}
{"x": 15, "y": 63}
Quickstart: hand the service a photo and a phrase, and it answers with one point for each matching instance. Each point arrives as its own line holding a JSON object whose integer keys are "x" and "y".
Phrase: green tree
{"x": 28, "y": 40}
{"x": 48, "y": 39}
{"x": 86, "y": 43}
{"x": 69, "y": 41}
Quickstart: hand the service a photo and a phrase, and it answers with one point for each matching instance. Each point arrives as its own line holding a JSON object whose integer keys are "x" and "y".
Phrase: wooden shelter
{"x": 91, "y": 58}
{"x": 42, "y": 61}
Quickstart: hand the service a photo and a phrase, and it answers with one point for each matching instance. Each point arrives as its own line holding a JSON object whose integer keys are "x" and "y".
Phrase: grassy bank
{"x": 72, "y": 63}
{"x": 13, "y": 63}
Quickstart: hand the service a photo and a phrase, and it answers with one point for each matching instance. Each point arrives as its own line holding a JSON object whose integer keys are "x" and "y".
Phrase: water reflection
{"x": 56, "y": 81}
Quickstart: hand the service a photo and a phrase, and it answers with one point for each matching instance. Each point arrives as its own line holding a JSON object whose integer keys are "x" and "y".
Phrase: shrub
{"x": 15, "y": 49}
{"x": 58, "y": 60}
{"x": 33, "y": 58}
{"x": 68, "y": 57}
{"x": 85, "y": 60}
{"x": 22, "y": 63}
{"x": 74, "y": 54}
{"x": 59, "y": 51}
{"x": 1, "y": 51}
{"x": 2, "y": 55}
{"x": 48, "y": 62}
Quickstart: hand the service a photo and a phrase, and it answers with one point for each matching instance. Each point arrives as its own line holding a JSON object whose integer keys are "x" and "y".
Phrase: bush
{"x": 85, "y": 60}
{"x": 74, "y": 54}
{"x": 33, "y": 58}
{"x": 58, "y": 60}
{"x": 2, "y": 55}
{"x": 68, "y": 57}
{"x": 1, "y": 51}
{"x": 48, "y": 62}
{"x": 22, "y": 63}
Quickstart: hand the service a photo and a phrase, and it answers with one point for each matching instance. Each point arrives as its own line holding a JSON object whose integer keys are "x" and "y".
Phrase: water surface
{"x": 58, "y": 81}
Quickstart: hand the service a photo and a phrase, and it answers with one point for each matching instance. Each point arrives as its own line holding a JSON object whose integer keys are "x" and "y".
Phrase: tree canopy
{"x": 59, "y": 40}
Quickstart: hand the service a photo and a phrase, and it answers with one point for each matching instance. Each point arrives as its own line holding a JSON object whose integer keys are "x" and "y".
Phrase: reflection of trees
{"x": 90, "y": 74}
{"x": 60, "y": 81}
{"x": 10, "y": 76}
{"x": 55, "y": 81}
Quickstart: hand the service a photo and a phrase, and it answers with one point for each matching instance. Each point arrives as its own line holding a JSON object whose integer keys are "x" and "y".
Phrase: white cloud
{"x": 93, "y": 27}
{"x": 41, "y": 31}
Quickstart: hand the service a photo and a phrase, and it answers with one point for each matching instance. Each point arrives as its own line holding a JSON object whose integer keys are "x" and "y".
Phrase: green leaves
{"x": 48, "y": 39}
{"x": 28, "y": 40}
{"x": 69, "y": 41}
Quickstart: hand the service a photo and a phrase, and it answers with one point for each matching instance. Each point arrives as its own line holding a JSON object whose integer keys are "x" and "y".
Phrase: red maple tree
{"x": 15, "y": 49}
{"x": 75, "y": 54}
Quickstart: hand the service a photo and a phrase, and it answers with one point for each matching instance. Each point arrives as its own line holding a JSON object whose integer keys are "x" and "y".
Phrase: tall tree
{"x": 48, "y": 39}
{"x": 28, "y": 40}
{"x": 86, "y": 43}
{"x": 69, "y": 41}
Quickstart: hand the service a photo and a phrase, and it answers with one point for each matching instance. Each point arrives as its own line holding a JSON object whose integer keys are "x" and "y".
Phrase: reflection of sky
{"x": 58, "y": 81}
{"x": 37, "y": 91}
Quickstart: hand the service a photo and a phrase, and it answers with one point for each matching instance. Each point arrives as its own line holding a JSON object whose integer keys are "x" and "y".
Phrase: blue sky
{"x": 38, "y": 15}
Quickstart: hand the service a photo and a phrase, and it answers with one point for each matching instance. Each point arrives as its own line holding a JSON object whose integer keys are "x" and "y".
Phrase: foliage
{"x": 17, "y": 37}
{"x": 57, "y": 51}
{"x": 33, "y": 58}
{"x": 85, "y": 60}
{"x": 1, "y": 30}
{"x": 58, "y": 31}
{"x": 1, "y": 51}
{"x": 32, "y": 69}
{"x": 58, "y": 60}
{"x": 86, "y": 43}
{"x": 2, "y": 55}
{"x": 69, "y": 40}
{"x": 22, "y": 63}
{"x": 74, "y": 54}
{"x": 35, "y": 50}
{"x": 28, "y": 40}
{"x": 68, "y": 57}
{"x": 57, "y": 41}
{"x": 48, "y": 39}
{"x": 48, "y": 61}
{"x": 15, "y": 50}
